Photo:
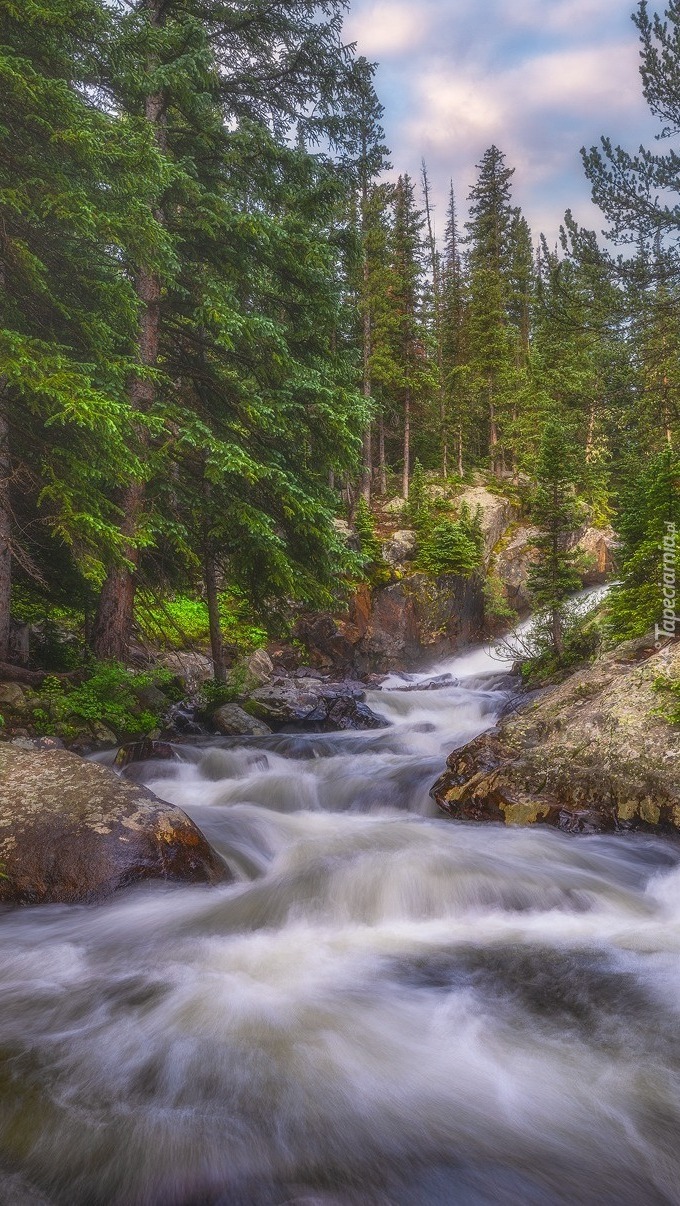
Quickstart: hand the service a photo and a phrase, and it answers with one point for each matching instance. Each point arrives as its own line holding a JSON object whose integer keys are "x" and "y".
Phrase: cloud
{"x": 540, "y": 78}
{"x": 387, "y": 28}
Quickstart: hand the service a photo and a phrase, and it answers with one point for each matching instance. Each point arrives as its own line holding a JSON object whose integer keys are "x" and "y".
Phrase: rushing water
{"x": 386, "y": 1008}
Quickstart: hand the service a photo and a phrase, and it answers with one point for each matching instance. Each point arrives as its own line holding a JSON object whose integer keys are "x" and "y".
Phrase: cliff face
{"x": 594, "y": 753}
{"x": 414, "y": 620}
{"x": 417, "y": 618}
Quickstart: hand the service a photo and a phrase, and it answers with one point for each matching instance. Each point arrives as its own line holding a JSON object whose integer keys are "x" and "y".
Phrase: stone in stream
{"x": 231, "y": 720}
{"x": 311, "y": 702}
{"x": 592, "y": 754}
{"x": 72, "y": 832}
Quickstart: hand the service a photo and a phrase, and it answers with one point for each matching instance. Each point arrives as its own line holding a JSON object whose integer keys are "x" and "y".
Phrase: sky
{"x": 539, "y": 78}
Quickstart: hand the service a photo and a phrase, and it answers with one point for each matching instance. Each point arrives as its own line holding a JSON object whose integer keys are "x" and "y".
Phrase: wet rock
{"x": 399, "y": 626}
{"x": 145, "y": 751}
{"x": 593, "y": 754}
{"x": 72, "y": 831}
{"x": 231, "y": 720}
{"x": 313, "y": 703}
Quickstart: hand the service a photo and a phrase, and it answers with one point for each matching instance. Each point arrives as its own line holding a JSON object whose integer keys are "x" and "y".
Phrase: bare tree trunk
{"x": 216, "y": 641}
{"x": 460, "y": 450}
{"x": 407, "y": 444}
{"x": 5, "y": 529}
{"x": 366, "y": 461}
{"x": 382, "y": 463}
{"x": 115, "y": 611}
{"x": 590, "y": 438}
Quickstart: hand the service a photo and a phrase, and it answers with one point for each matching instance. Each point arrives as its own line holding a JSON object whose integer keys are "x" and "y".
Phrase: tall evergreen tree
{"x": 553, "y": 577}
{"x": 195, "y": 74}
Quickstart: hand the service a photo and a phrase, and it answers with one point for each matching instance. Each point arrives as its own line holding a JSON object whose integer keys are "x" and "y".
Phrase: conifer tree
{"x": 200, "y": 75}
{"x": 492, "y": 342}
{"x": 455, "y": 340}
{"x": 553, "y": 577}
{"x": 75, "y": 187}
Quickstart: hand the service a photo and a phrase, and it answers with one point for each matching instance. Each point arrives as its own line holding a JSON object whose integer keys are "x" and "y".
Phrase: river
{"x": 386, "y": 1009}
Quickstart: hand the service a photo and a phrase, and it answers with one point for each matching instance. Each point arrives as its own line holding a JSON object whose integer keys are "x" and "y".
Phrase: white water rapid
{"x": 386, "y": 1009}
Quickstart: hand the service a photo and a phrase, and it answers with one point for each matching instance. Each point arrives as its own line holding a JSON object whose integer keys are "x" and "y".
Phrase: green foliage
{"x": 448, "y": 549}
{"x": 540, "y": 664}
{"x": 181, "y": 622}
{"x": 111, "y": 696}
{"x": 369, "y": 544}
{"x": 669, "y": 689}
{"x": 553, "y": 577}
{"x": 649, "y": 503}
{"x": 496, "y": 606}
{"x": 419, "y": 507}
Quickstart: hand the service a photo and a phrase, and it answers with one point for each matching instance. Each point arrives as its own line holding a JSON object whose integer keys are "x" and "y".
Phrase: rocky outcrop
{"x": 398, "y": 626}
{"x": 494, "y": 512}
{"x": 515, "y": 554}
{"x": 72, "y": 831}
{"x": 312, "y": 702}
{"x": 401, "y": 547}
{"x": 591, "y": 754}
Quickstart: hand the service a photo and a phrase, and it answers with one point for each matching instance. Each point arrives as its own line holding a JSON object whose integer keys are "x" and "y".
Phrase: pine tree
{"x": 455, "y": 372}
{"x": 200, "y": 76}
{"x": 74, "y": 190}
{"x": 554, "y": 577}
{"x": 365, "y": 159}
{"x": 649, "y": 524}
{"x": 490, "y": 227}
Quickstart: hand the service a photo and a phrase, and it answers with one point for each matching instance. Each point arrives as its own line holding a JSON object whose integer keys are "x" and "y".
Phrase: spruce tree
{"x": 553, "y": 577}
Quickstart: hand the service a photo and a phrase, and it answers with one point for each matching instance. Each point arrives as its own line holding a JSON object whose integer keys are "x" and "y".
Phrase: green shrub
{"x": 447, "y": 549}
{"x": 110, "y": 696}
{"x": 496, "y": 606}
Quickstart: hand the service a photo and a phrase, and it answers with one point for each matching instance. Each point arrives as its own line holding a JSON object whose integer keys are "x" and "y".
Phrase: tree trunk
{"x": 366, "y": 462}
{"x": 407, "y": 444}
{"x": 460, "y": 450}
{"x": 216, "y": 642}
{"x": 493, "y": 431}
{"x": 5, "y": 530}
{"x": 382, "y": 463}
{"x": 557, "y": 634}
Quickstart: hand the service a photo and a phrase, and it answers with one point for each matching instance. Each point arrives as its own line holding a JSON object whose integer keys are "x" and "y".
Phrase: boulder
{"x": 13, "y": 696}
{"x": 192, "y": 669}
{"x": 597, "y": 547}
{"x": 400, "y": 547}
{"x": 311, "y": 702}
{"x": 73, "y": 832}
{"x": 259, "y": 667}
{"x": 231, "y": 720}
{"x": 395, "y": 506}
{"x": 589, "y": 755}
{"x": 495, "y": 513}
{"x": 512, "y": 563}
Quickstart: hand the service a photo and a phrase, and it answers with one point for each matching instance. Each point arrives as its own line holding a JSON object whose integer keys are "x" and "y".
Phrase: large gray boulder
{"x": 231, "y": 720}
{"x": 495, "y": 514}
{"x": 72, "y": 831}
{"x": 309, "y": 702}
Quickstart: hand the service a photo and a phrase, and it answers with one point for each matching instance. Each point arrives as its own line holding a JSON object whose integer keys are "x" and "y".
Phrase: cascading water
{"x": 387, "y": 1008}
